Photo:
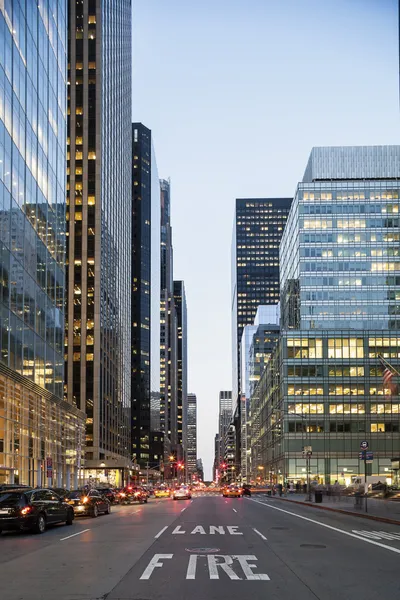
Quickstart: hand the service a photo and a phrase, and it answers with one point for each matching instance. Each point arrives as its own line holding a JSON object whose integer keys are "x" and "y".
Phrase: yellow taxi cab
{"x": 232, "y": 491}
{"x": 162, "y": 493}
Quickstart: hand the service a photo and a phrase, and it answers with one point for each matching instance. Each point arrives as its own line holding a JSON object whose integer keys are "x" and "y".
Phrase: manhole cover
{"x": 312, "y": 546}
{"x": 280, "y": 528}
{"x": 202, "y": 550}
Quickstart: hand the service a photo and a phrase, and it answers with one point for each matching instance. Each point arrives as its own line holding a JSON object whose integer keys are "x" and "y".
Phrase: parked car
{"x": 131, "y": 494}
{"x": 22, "y": 509}
{"x": 88, "y": 504}
{"x": 14, "y": 486}
{"x": 109, "y": 493}
{"x": 61, "y": 492}
{"x": 182, "y": 493}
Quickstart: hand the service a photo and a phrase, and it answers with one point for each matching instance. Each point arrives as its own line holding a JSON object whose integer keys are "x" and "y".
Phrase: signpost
{"x": 307, "y": 452}
{"x": 49, "y": 470}
{"x": 368, "y": 458}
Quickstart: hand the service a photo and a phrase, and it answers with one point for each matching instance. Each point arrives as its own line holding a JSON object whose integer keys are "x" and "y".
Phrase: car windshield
{"x": 11, "y": 498}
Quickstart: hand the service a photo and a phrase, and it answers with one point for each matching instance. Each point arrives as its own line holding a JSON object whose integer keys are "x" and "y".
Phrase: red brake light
{"x": 130, "y": 487}
{"x": 26, "y": 510}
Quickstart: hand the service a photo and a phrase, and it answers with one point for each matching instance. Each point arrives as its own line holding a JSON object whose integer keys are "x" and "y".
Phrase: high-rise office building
{"x": 217, "y": 458}
{"x": 146, "y": 282}
{"x": 258, "y": 341}
{"x": 200, "y": 469}
{"x": 99, "y": 199}
{"x": 38, "y": 429}
{"x": 340, "y": 285}
{"x": 191, "y": 436}
{"x": 168, "y": 330}
{"x": 224, "y": 417}
{"x": 181, "y": 362}
{"x": 257, "y": 232}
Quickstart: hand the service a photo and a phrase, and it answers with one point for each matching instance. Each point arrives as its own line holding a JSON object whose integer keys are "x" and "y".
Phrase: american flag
{"x": 387, "y": 377}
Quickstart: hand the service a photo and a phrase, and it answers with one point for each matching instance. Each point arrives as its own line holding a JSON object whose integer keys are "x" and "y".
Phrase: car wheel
{"x": 70, "y": 517}
{"x": 40, "y": 525}
{"x": 108, "y": 510}
{"x": 95, "y": 511}
{"x": 145, "y": 501}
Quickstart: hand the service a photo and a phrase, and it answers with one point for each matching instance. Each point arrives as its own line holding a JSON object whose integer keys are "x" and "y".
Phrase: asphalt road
{"x": 206, "y": 549}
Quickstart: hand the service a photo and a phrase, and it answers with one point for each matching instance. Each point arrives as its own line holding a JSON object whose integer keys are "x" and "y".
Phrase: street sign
{"x": 307, "y": 448}
{"x": 369, "y": 457}
{"x": 364, "y": 445}
{"x": 49, "y": 467}
{"x": 361, "y": 455}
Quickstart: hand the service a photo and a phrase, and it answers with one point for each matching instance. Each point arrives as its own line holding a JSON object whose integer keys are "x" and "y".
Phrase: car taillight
{"x": 85, "y": 499}
{"x": 26, "y": 510}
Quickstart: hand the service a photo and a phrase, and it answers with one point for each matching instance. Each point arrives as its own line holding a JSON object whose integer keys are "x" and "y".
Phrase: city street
{"x": 207, "y": 548}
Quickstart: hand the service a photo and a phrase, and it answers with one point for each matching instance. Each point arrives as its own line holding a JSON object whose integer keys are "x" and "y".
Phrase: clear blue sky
{"x": 236, "y": 93}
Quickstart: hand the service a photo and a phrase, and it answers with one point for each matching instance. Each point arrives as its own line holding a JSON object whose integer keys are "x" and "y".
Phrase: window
{"x": 346, "y": 409}
{"x": 377, "y": 427}
{"x": 345, "y": 348}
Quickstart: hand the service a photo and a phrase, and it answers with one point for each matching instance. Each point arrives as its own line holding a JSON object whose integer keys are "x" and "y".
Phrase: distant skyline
{"x": 236, "y": 93}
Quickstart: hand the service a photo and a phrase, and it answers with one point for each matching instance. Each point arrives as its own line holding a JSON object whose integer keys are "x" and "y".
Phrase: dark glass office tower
{"x": 99, "y": 202}
{"x": 169, "y": 328}
{"x": 257, "y": 232}
{"x": 145, "y": 295}
{"x": 37, "y": 427}
{"x": 181, "y": 362}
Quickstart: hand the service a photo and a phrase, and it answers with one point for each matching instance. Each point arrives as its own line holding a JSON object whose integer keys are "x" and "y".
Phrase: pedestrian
{"x": 298, "y": 487}
{"x": 280, "y": 488}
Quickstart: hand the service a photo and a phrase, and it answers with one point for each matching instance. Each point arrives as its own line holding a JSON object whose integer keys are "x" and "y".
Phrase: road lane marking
{"x": 357, "y": 537}
{"x": 74, "y": 534}
{"x": 153, "y": 564}
{"x": 378, "y": 535}
{"x": 161, "y": 532}
{"x": 234, "y": 510}
{"x": 260, "y": 534}
{"x": 184, "y": 509}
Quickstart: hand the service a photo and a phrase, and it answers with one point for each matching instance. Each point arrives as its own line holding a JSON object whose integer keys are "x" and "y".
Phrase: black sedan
{"x": 61, "y": 492}
{"x": 32, "y": 510}
{"x": 88, "y": 504}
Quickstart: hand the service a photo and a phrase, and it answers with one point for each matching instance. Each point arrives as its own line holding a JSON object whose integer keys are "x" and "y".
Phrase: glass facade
{"x": 98, "y": 345}
{"x": 145, "y": 295}
{"x": 34, "y": 421}
{"x": 340, "y": 314}
{"x": 340, "y": 253}
{"x": 257, "y": 232}
{"x": 168, "y": 328}
{"x": 182, "y": 360}
{"x": 191, "y": 435}
{"x": 329, "y": 395}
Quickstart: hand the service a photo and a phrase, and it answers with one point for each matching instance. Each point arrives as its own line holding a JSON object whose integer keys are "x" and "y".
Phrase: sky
{"x": 236, "y": 93}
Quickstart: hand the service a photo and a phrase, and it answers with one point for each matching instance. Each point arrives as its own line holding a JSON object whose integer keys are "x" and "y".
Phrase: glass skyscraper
{"x": 257, "y": 232}
{"x": 181, "y": 361}
{"x": 340, "y": 317}
{"x": 146, "y": 284}
{"x": 340, "y": 258}
{"x": 37, "y": 426}
{"x": 99, "y": 198}
{"x": 191, "y": 436}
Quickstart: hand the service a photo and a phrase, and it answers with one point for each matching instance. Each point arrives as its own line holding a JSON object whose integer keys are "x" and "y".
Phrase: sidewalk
{"x": 387, "y": 511}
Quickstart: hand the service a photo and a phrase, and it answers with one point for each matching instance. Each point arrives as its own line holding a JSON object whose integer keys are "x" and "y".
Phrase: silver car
{"x": 183, "y": 493}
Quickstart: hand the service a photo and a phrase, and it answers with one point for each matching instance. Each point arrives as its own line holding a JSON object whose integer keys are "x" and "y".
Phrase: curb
{"x": 340, "y": 510}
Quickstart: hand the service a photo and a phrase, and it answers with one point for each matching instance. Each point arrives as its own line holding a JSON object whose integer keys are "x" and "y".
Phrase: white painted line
{"x": 234, "y": 510}
{"x": 260, "y": 534}
{"x": 357, "y": 537}
{"x": 74, "y": 534}
{"x": 184, "y": 509}
{"x": 161, "y": 532}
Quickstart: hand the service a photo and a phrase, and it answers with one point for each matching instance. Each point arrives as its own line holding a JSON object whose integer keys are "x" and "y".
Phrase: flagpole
{"x": 387, "y": 363}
